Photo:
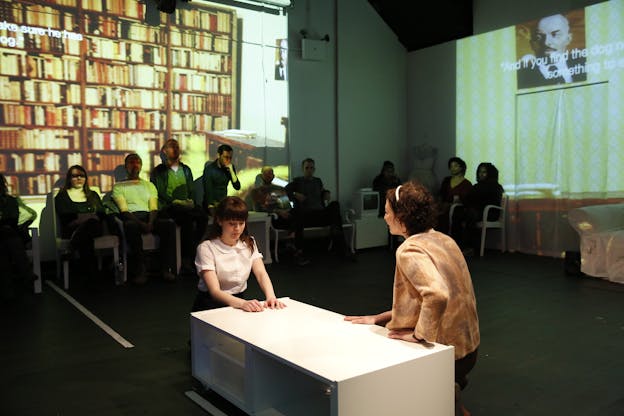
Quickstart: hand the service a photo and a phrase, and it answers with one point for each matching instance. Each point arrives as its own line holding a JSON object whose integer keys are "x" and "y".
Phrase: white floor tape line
{"x": 203, "y": 403}
{"x": 110, "y": 331}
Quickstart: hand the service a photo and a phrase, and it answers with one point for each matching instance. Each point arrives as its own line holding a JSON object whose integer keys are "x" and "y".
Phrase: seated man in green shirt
{"x": 217, "y": 175}
{"x": 174, "y": 183}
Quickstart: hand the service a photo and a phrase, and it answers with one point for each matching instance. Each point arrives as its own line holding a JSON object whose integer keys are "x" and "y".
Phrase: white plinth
{"x": 304, "y": 360}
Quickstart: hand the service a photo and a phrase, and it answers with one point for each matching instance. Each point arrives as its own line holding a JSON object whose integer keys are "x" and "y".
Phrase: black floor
{"x": 551, "y": 344}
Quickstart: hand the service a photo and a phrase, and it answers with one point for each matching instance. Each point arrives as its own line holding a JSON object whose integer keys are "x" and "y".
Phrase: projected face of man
{"x": 552, "y": 36}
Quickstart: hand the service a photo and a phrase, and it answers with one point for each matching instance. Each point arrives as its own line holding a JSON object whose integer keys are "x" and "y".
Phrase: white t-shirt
{"x": 231, "y": 263}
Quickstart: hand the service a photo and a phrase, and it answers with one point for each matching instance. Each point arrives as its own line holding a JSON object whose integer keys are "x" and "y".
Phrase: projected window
{"x": 542, "y": 100}
{"x": 85, "y": 84}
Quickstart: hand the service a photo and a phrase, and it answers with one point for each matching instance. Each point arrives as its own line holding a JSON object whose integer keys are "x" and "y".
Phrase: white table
{"x": 303, "y": 360}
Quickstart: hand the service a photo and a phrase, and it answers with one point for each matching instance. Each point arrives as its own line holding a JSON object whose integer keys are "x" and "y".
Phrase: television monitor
{"x": 365, "y": 203}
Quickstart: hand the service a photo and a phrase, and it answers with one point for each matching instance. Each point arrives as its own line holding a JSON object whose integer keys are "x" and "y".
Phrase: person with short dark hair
{"x": 174, "y": 183}
{"x": 225, "y": 260}
{"x": 454, "y": 189}
{"x": 433, "y": 298}
{"x": 137, "y": 200}
{"x": 386, "y": 179}
{"x": 311, "y": 204}
{"x": 486, "y": 191}
{"x": 551, "y": 62}
{"x": 217, "y": 175}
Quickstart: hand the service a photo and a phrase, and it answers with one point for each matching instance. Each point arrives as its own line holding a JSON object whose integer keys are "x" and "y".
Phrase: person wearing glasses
{"x": 80, "y": 213}
{"x": 433, "y": 297}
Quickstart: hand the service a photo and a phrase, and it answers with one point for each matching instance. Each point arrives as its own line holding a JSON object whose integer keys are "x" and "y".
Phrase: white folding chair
{"x": 484, "y": 224}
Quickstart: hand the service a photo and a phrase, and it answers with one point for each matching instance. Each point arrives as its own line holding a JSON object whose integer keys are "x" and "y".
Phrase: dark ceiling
{"x": 419, "y": 24}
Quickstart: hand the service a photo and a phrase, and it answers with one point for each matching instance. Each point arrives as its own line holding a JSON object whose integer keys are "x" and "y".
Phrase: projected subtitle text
{"x": 14, "y": 37}
{"x": 610, "y": 53}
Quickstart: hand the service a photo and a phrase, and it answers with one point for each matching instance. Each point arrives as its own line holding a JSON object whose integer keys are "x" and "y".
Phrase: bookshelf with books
{"x": 202, "y": 43}
{"x": 122, "y": 87}
{"x": 40, "y": 106}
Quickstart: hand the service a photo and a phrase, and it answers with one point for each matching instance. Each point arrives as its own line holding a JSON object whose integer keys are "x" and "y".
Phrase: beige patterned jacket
{"x": 433, "y": 293}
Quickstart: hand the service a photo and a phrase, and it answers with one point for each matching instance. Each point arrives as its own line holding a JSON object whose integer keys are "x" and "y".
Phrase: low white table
{"x": 303, "y": 360}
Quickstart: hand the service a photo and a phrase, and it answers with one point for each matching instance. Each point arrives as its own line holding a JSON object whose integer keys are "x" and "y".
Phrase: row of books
{"x": 104, "y": 162}
{"x": 40, "y": 115}
{"x": 192, "y": 122}
{"x": 40, "y": 184}
{"x": 204, "y": 19}
{"x": 10, "y": 90}
{"x": 50, "y": 91}
{"x": 185, "y": 80}
{"x": 135, "y": 75}
{"x": 46, "y": 16}
{"x": 103, "y": 181}
{"x": 51, "y": 44}
{"x": 212, "y": 103}
{"x": 124, "y": 97}
{"x": 20, "y": 138}
{"x": 130, "y": 141}
{"x": 126, "y": 51}
{"x": 207, "y": 61}
{"x": 124, "y": 119}
{"x": 118, "y": 7}
{"x": 36, "y": 162}
{"x": 44, "y": 66}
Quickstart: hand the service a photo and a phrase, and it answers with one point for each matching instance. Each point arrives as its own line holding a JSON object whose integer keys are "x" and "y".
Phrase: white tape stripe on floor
{"x": 110, "y": 331}
{"x": 203, "y": 403}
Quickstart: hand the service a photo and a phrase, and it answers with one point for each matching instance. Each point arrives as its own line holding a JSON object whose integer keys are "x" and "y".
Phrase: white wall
{"x": 348, "y": 111}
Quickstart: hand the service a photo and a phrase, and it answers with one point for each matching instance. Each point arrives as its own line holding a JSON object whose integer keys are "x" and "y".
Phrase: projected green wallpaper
{"x": 557, "y": 132}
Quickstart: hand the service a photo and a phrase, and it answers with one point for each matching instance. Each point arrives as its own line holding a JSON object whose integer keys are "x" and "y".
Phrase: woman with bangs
{"x": 225, "y": 259}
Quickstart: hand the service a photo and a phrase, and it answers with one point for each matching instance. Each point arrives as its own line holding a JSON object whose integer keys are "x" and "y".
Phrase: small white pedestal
{"x": 304, "y": 360}
{"x": 370, "y": 232}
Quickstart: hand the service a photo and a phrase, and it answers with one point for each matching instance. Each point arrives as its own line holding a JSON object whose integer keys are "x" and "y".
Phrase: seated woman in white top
{"x": 225, "y": 259}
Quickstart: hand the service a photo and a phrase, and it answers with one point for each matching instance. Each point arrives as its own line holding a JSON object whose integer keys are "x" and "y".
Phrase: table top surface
{"x": 317, "y": 340}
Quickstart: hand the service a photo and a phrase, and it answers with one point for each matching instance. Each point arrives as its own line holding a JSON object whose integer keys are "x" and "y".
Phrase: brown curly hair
{"x": 416, "y": 209}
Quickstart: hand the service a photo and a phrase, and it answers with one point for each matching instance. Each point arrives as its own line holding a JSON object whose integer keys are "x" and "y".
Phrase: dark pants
{"x": 81, "y": 240}
{"x": 192, "y": 222}
{"x": 134, "y": 230}
{"x": 329, "y": 216}
{"x": 293, "y": 224}
{"x": 463, "y": 366}
{"x": 16, "y": 267}
{"x": 203, "y": 301}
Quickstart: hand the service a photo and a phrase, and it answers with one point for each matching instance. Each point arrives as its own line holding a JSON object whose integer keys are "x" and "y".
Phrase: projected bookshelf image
{"x": 85, "y": 84}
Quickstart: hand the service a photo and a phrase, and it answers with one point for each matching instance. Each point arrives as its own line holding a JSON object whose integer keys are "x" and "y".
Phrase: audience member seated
{"x": 174, "y": 184}
{"x": 454, "y": 189}
{"x": 137, "y": 200}
{"x": 217, "y": 175}
{"x": 387, "y": 179}
{"x": 487, "y": 191}
{"x": 307, "y": 193}
{"x": 271, "y": 198}
{"x": 17, "y": 273}
{"x": 81, "y": 216}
